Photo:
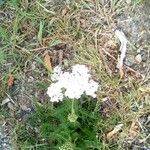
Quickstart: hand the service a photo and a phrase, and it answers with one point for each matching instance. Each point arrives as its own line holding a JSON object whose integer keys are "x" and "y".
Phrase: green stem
{"x": 72, "y": 106}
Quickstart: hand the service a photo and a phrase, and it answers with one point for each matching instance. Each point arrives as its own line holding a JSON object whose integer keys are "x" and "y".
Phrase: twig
{"x": 146, "y": 138}
{"x": 10, "y": 98}
{"x": 123, "y": 48}
{"x": 45, "y": 9}
{"x": 39, "y": 49}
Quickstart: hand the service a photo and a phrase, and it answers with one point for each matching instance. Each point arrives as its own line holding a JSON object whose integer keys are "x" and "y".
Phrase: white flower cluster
{"x": 71, "y": 84}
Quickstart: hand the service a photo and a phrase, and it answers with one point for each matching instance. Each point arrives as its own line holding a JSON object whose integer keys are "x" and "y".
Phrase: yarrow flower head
{"x": 71, "y": 84}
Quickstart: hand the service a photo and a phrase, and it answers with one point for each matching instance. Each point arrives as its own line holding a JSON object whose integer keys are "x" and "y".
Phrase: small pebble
{"x": 138, "y": 58}
{"x": 30, "y": 79}
{"x": 33, "y": 65}
{"x": 139, "y": 50}
{"x": 128, "y": 1}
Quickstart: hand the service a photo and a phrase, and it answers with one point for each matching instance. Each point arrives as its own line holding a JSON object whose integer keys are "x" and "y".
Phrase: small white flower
{"x": 81, "y": 70}
{"x": 92, "y": 88}
{"x": 55, "y": 92}
{"x": 75, "y": 83}
{"x": 74, "y": 90}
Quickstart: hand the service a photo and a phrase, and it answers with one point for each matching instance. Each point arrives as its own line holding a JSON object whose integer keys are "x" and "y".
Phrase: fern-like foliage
{"x": 49, "y": 127}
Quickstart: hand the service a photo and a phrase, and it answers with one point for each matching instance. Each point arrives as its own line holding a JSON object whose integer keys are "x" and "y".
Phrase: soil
{"x": 136, "y": 26}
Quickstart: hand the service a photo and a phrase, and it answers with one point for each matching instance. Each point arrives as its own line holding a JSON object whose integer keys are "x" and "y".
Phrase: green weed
{"x": 50, "y": 127}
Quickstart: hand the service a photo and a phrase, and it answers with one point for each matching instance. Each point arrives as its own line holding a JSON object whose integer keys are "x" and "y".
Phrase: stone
{"x": 138, "y": 58}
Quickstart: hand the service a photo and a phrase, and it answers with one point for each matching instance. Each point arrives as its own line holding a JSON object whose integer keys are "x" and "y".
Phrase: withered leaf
{"x": 112, "y": 133}
{"x": 11, "y": 79}
{"x": 134, "y": 129}
{"x": 47, "y": 62}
